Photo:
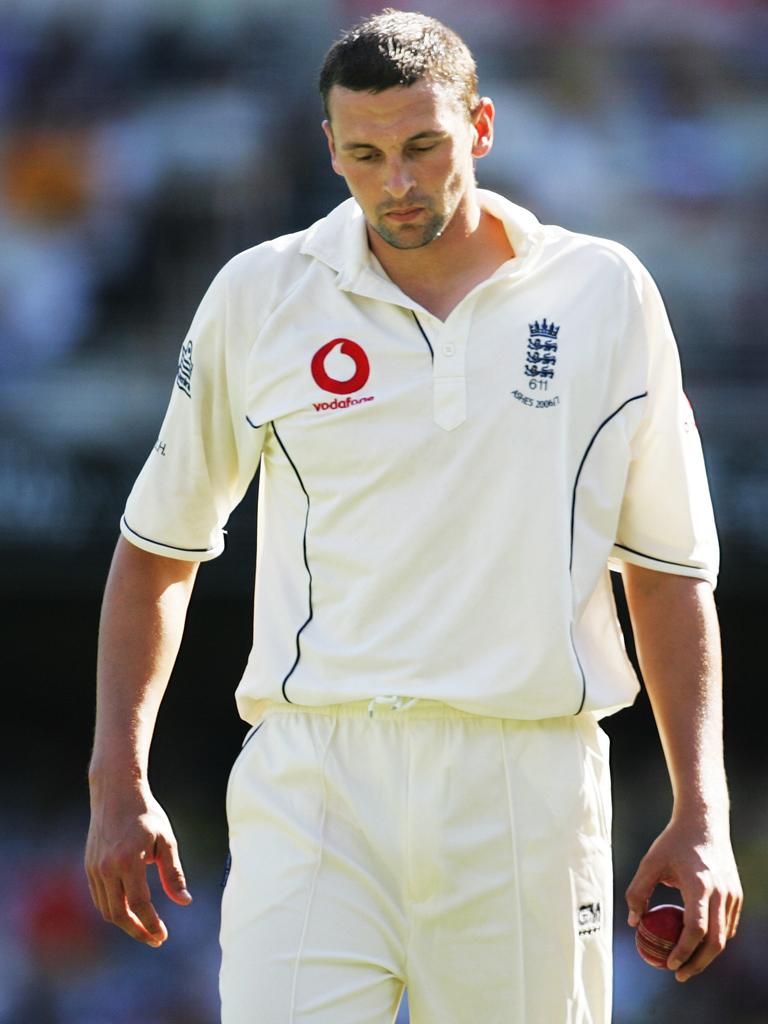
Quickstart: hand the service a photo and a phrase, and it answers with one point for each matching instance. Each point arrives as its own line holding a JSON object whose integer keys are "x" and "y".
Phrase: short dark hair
{"x": 400, "y": 48}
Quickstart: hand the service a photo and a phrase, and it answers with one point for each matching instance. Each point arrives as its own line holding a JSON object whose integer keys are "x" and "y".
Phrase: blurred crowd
{"x": 142, "y": 144}
{"x": 60, "y": 964}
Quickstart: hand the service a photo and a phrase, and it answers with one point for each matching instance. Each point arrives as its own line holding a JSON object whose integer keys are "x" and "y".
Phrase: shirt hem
{"x": 621, "y": 554}
{"x": 169, "y": 550}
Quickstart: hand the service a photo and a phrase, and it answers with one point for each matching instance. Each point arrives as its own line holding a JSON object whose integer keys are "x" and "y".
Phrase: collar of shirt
{"x": 340, "y": 241}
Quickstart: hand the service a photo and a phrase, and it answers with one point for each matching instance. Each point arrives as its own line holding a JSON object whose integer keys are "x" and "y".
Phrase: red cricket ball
{"x": 658, "y": 932}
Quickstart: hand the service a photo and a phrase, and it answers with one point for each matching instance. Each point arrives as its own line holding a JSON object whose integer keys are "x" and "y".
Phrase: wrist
{"x": 708, "y": 815}
{"x": 107, "y": 773}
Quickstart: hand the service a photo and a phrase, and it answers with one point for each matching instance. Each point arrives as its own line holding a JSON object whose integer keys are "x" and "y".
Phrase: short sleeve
{"x": 206, "y": 453}
{"x": 666, "y": 521}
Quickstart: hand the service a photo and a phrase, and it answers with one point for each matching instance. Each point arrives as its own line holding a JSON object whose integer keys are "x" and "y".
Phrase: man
{"x": 462, "y": 418}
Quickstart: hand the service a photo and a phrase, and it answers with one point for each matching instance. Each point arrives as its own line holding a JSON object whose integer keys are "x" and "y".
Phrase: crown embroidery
{"x": 543, "y": 329}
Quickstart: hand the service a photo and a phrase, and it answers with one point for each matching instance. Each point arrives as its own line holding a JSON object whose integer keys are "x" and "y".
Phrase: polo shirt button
{"x": 448, "y": 349}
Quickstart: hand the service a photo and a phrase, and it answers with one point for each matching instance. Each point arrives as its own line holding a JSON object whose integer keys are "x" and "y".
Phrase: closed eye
{"x": 362, "y": 152}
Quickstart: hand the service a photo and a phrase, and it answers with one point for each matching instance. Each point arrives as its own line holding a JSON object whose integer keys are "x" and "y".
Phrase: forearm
{"x": 142, "y": 622}
{"x": 678, "y": 642}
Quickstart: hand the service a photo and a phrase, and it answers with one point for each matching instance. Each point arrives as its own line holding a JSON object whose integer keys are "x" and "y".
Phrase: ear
{"x": 328, "y": 131}
{"x": 482, "y": 126}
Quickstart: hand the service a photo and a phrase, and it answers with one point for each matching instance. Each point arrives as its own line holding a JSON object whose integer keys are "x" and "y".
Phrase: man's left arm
{"x": 677, "y": 636}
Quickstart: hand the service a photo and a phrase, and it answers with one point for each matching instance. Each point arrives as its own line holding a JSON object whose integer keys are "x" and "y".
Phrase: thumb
{"x": 639, "y": 892}
{"x": 171, "y": 872}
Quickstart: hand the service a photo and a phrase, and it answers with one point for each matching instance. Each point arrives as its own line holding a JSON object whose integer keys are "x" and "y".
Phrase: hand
{"x": 705, "y": 872}
{"x": 121, "y": 845}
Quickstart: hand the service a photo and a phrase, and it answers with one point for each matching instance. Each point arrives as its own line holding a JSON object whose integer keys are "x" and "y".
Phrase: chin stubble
{"x": 407, "y": 238}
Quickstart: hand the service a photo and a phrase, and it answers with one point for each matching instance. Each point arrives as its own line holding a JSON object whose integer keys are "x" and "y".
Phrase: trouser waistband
{"x": 386, "y": 706}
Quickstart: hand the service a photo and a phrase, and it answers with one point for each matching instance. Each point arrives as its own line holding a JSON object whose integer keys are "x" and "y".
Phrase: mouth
{"x": 403, "y": 216}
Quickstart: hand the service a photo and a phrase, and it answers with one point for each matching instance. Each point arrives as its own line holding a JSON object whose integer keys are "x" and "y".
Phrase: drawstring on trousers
{"x": 394, "y": 703}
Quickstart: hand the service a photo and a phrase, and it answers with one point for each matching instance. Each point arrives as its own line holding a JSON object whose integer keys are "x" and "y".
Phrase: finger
{"x": 639, "y": 891}
{"x": 695, "y": 926}
{"x": 174, "y": 883}
{"x": 95, "y": 873}
{"x": 98, "y": 894}
{"x": 711, "y": 945}
{"x": 139, "y": 906}
{"x": 120, "y": 914}
{"x": 733, "y": 916}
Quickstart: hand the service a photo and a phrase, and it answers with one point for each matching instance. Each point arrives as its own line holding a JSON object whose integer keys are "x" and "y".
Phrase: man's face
{"x": 406, "y": 156}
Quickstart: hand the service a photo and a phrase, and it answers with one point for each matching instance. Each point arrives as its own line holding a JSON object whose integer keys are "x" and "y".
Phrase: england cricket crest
{"x": 541, "y": 357}
{"x": 540, "y": 364}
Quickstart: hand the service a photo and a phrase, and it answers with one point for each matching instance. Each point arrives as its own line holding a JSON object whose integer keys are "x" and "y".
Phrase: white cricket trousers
{"x": 467, "y": 858}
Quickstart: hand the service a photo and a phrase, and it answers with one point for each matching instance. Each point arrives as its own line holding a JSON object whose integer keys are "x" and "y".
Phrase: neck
{"x": 438, "y": 275}
{"x": 456, "y": 242}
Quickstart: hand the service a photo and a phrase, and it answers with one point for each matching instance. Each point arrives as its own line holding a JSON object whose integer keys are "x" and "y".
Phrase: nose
{"x": 399, "y": 180}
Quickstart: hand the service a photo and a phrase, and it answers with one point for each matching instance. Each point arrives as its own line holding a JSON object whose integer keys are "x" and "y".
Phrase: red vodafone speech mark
{"x": 341, "y": 387}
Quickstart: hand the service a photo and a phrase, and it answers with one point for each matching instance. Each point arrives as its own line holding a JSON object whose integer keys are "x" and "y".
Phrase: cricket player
{"x": 464, "y": 420}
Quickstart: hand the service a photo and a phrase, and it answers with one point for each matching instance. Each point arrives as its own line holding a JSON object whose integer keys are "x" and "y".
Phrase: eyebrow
{"x": 413, "y": 138}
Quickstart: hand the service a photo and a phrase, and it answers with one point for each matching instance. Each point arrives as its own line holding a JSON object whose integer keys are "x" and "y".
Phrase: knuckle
{"x": 698, "y": 889}
{"x": 136, "y": 887}
{"x": 117, "y": 858}
{"x": 126, "y": 860}
{"x": 631, "y": 893}
{"x": 105, "y": 867}
{"x": 137, "y": 902}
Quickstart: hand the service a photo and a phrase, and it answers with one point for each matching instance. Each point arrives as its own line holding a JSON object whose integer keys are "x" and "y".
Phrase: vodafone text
{"x": 341, "y": 403}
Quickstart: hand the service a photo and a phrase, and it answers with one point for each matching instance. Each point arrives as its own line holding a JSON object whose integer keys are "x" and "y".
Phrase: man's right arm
{"x": 142, "y": 622}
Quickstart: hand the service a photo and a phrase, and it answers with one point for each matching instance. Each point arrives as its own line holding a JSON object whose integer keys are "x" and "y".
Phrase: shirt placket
{"x": 449, "y": 378}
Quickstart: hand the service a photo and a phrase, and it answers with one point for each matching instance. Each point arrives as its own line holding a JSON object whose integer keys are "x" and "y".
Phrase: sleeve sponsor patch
{"x": 184, "y": 375}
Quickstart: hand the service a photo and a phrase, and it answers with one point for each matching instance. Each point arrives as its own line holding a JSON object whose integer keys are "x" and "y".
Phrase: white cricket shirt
{"x": 439, "y": 501}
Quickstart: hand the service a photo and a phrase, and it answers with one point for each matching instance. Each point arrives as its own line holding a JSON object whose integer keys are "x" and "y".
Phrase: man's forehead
{"x": 424, "y": 101}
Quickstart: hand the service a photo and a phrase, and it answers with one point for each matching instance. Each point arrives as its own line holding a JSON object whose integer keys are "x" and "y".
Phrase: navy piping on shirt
{"x": 424, "y": 335}
{"x": 162, "y": 544}
{"x": 306, "y": 563}
{"x": 654, "y": 558}
{"x": 587, "y": 450}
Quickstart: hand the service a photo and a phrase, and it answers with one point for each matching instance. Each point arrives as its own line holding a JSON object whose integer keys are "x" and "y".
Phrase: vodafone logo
{"x": 330, "y": 362}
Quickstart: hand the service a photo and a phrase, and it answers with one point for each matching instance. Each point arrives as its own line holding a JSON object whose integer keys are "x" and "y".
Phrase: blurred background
{"x": 141, "y": 145}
